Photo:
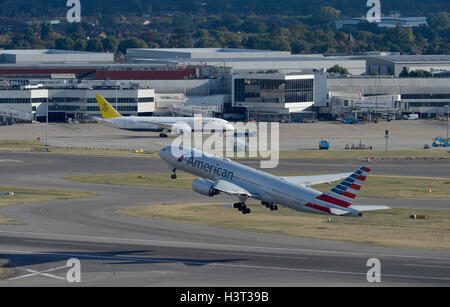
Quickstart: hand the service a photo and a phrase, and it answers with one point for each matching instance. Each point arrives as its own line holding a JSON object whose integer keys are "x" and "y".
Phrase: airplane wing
{"x": 313, "y": 180}
{"x": 230, "y": 188}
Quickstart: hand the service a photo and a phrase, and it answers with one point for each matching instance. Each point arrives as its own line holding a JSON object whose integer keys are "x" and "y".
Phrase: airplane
{"x": 175, "y": 125}
{"x": 221, "y": 175}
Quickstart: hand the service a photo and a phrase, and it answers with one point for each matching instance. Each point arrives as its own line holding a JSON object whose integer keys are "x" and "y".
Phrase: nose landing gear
{"x": 174, "y": 174}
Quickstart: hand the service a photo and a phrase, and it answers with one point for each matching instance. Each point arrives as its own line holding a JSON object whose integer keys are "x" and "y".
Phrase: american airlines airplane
{"x": 221, "y": 175}
{"x": 176, "y": 125}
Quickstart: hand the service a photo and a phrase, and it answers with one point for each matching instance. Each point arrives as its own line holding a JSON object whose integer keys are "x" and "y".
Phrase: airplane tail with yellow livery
{"x": 107, "y": 110}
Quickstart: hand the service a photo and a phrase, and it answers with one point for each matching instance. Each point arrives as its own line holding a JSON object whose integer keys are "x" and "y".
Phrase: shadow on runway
{"x": 113, "y": 258}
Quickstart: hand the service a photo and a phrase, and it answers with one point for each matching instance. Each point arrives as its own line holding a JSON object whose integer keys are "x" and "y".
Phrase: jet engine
{"x": 204, "y": 187}
{"x": 181, "y": 129}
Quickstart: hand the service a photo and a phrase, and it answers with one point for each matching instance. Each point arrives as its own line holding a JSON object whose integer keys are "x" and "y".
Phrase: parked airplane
{"x": 221, "y": 175}
{"x": 176, "y": 125}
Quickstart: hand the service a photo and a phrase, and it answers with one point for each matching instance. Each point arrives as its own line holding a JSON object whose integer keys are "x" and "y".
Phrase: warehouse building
{"x": 425, "y": 96}
{"x": 51, "y": 56}
{"x": 244, "y": 60}
{"x": 394, "y": 65}
{"x": 385, "y": 22}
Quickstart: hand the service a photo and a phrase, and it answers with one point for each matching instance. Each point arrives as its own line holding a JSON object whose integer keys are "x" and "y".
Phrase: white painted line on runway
{"x": 10, "y": 160}
{"x": 429, "y": 266}
{"x": 129, "y": 240}
{"x": 67, "y": 243}
{"x": 207, "y": 262}
{"x": 257, "y": 255}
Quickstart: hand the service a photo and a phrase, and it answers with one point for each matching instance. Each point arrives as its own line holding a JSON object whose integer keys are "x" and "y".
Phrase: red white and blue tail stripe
{"x": 342, "y": 195}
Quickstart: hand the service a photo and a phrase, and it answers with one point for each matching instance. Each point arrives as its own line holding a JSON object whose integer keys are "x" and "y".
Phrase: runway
{"x": 118, "y": 250}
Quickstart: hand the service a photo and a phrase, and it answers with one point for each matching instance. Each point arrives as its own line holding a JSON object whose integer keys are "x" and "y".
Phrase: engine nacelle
{"x": 204, "y": 187}
{"x": 181, "y": 129}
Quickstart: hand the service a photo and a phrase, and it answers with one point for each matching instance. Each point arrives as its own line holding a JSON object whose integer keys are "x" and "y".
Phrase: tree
{"x": 110, "y": 44}
{"x": 439, "y": 20}
{"x": 328, "y": 13}
{"x": 94, "y": 45}
{"x": 339, "y": 70}
{"x": 131, "y": 43}
{"x": 64, "y": 43}
{"x": 46, "y": 28}
{"x": 80, "y": 45}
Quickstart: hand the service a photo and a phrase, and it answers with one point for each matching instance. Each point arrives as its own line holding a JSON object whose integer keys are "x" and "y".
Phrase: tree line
{"x": 298, "y": 34}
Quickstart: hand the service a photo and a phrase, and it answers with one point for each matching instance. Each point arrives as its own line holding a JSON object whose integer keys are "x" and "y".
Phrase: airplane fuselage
{"x": 263, "y": 186}
{"x": 137, "y": 123}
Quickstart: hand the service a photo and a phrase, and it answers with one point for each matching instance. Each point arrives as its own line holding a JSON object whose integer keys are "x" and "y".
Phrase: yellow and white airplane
{"x": 174, "y": 125}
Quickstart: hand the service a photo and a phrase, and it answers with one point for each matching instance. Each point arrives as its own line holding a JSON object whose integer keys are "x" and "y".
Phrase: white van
{"x": 413, "y": 116}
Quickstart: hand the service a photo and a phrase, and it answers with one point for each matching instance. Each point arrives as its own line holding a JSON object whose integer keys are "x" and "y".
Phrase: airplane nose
{"x": 163, "y": 152}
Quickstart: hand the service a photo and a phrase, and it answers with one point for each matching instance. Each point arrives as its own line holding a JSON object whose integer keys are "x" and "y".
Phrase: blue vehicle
{"x": 440, "y": 142}
{"x": 324, "y": 145}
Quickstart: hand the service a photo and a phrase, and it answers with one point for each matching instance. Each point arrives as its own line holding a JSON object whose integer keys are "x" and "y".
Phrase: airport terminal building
{"x": 235, "y": 84}
{"x": 427, "y": 97}
{"x": 70, "y": 103}
{"x": 275, "y": 97}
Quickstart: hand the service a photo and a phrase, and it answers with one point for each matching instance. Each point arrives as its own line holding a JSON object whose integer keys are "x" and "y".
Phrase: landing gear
{"x": 163, "y": 135}
{"x": 174, "y": 174}
{"x": 242, "y": 208}
{"x": 270, "y": 206}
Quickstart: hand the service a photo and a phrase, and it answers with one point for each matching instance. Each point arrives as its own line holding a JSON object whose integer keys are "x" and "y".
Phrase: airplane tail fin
{"x": 345, "y": 192}
{"x": 107, "y": 110}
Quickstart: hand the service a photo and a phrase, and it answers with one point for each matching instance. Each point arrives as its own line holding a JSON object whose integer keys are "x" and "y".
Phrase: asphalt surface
{"x": 120, "y": 250}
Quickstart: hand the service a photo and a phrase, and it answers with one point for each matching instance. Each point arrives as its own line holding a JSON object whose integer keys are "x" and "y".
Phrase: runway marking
{"x": 225, "y": 265}
{"x": 67, "y": 243}
{"x": 10, "y": 160}
{"x": 257, "y": 255}
{"x": 429, "y": 266}
{"x": 43, "y": 273}
{"x": 129, "y": 240}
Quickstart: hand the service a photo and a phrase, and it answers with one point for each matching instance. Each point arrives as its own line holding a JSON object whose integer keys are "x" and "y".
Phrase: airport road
{"x": 120, "y": 250}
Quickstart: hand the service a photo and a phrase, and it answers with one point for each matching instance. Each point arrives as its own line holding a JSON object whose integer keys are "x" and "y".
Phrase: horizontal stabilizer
{"x": 338, "y": 211}
{"x": 370, "y": 208}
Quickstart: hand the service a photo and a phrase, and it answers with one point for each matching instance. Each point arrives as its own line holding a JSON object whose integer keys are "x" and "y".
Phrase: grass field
{"x": 12, "y": 145}
{"x": 3, "y": 272}
{"x": 360, "y": 154}
{"x": 384, "y": 228}
{"x": 375, "y": 186}
{"x": 25, "y": 195}
{"x": 35, "y": 146}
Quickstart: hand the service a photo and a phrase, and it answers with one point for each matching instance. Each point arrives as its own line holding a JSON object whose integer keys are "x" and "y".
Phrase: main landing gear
{"x": 174, "y": 174}
{"x": 242, "y": 208}
{"x": 163, "y": 135}
{"x": 270, "y": 206}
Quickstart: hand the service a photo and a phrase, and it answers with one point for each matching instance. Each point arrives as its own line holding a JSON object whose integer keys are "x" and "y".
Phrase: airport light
{"x": 448, "y": 119}
{"x": 248, "y": 112}
{"x": 116, "y": 94}
{"x": 46, "y": 124}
